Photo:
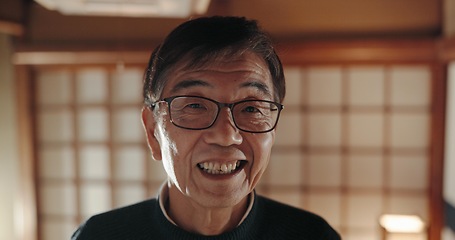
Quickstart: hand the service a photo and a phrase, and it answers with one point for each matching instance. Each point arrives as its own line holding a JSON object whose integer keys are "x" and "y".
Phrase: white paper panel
{"x": 365, "y": 171}
{"x": 129, "y": 163}
{"x": 54, "y": 87}
{"x": 325, "y": 129}
{"x": 366, "y": 130}
{"x": 93, "y": 124}
{"x": 127, "y": 125}
{"x": 55, "y": 126}
{"x": 94, "y": 162}
{"x": 325, "y": 170}
{"x": 366, "y": 86}
{"x": 127, "y": 86}
{"x": 409, "y": 130}
{"x": 409, "y": 172}
{"x": 324, "y": 86}
{"x": 58, "y": 199}
{"x": 57, "y": 163}
{"x": 285, "y": 169}
{"x": 410, "y": 86}
{"x": 91, "y": 86}
{"x": 364, "y": 210}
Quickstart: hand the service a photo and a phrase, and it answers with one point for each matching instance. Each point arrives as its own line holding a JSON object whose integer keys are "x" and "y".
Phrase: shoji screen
{"x": 91, "y": 152}
{"x": 353, "y": 143}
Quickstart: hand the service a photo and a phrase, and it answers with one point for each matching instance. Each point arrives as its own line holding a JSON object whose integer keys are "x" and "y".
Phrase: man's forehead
{"x": 248, "y": 67}
{"x": 221, "y": 59}
{"x": 252, "y": 84}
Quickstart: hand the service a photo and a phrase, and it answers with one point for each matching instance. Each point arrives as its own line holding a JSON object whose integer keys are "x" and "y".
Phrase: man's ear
{"x": 149, "y": 123}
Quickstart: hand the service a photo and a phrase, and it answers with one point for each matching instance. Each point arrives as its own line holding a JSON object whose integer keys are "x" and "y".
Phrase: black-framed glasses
{"x": 197, "y": 113}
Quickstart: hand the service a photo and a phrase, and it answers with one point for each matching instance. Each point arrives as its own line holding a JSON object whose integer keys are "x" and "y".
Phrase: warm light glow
{"x": 128, "y": 8}
{"x": 19, "y": 219}
{"x": 402, "y": 223}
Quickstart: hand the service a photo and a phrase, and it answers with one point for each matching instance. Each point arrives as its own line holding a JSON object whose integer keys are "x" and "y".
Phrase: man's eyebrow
{"x": 258, "y": 85}
{"x": 189, "y": 83}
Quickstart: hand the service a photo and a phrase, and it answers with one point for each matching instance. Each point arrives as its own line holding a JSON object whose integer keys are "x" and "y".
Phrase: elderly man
{"x": 213, "y": 92}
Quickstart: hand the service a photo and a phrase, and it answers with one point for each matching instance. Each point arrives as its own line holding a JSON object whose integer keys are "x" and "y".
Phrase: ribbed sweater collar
{"x": 249, "y": 229}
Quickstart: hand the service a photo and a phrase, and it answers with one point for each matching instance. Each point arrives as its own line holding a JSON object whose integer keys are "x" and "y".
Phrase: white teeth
{"x": 224, "y": 168}
{"x": 217, "y": 168}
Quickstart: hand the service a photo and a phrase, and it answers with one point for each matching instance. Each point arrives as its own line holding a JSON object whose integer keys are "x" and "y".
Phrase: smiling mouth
{"x": 224, "y": 168}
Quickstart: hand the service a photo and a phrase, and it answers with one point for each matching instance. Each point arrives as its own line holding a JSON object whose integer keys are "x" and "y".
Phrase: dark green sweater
{"x": 268, "y": 219}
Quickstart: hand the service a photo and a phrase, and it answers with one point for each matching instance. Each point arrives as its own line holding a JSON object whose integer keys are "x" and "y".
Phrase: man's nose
{"x": 224, "y": 132}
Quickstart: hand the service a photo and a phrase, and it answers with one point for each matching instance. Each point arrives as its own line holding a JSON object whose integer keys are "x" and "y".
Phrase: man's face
{"x": 188, "y": 154}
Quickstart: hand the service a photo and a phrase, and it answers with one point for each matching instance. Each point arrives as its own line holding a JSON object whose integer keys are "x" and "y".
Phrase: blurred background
{"x": 366, "y": 138}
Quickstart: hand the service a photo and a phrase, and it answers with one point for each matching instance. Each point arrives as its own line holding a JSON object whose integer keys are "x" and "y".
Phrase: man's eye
{"x": 251, "y": 109}
{"x": 194, "y": 105}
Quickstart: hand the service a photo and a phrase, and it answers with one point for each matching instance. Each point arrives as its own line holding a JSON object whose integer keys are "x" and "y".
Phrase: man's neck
{"x": 193, "y": 217}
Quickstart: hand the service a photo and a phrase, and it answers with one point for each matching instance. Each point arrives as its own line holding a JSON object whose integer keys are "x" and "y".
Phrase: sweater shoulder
{"x": 134, "y": 211}
{"x": 295, "y": 221}
{"x": 117, "y": 221}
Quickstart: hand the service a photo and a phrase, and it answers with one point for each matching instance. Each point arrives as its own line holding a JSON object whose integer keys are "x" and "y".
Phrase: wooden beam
{"x": 11, "y": 28}
{"x": 357, "y": 51}
{"x": 95, "y": 57}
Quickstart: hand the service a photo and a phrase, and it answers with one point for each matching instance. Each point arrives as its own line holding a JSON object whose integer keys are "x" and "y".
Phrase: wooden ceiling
{"x": 290, "y": 20}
